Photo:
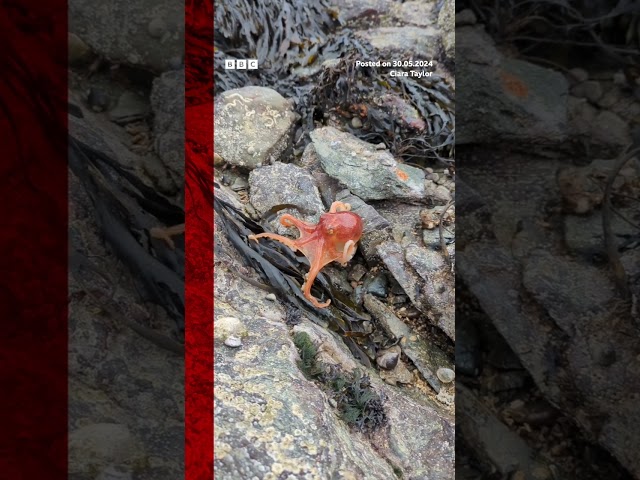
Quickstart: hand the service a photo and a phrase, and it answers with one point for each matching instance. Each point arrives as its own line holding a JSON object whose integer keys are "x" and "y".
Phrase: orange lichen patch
{"x": 401, "y": 175}
{"x": 333, "y": 238}
{"x": 514, "y": 85}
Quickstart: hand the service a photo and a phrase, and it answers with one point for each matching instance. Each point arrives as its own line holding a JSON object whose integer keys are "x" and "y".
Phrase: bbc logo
{"x": 232, "y": 64}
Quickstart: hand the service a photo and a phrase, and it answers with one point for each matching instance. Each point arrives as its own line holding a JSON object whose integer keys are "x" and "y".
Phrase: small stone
{"x": 591, "y": 90}
{"x": 388, "y": 359}
{"x": 466, "y": 17}
{"x": 357, "y": 272}
{"x": 434, "y": 177}
{"x": 445, "y": 375}
{"x": 356, "y": 122}
{"x": 98, "y": 99}
{"x": 271, "y": 297}
{"x": 233, "y": 342}
{"x": 579, "y": 74}
{"x": 156, "y": 27}
{"x": 225, "y": 327}
{"x": 619, "y": 78}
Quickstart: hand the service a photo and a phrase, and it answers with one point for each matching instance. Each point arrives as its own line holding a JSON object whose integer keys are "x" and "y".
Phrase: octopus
{"x": 333, "y": 238}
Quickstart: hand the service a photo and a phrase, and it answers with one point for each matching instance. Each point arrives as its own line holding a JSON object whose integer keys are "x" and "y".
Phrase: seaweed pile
{"x": 305, "y": 54}
{"x": 546, "y": 28}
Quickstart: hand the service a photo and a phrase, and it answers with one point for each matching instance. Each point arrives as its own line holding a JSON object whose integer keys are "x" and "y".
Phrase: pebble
{"x": 388, "y": 359}
{"x": 466, "y": 17}
{"x": 271, "y": 297}
{"x": 377, "y": 285}
{"x": 356, "y": 122}
{"x": 434, "y": 177}
{"x": 445, "y": 375}
{"x": 357, "y": 272}
{"x": 579, "y": 74}
{"x": 156, "y": 27}
{"x": 233, "y": 342}
{"x": 591, "y": 90}
{"x": 98, "y": 99}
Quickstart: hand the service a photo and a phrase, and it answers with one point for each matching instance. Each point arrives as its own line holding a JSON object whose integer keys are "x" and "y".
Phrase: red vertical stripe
{"x": 33, "y": 242}
{"x": 199, "y": 240}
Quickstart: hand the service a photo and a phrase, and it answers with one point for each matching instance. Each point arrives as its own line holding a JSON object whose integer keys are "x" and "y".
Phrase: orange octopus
{"x": 334, "y": 238}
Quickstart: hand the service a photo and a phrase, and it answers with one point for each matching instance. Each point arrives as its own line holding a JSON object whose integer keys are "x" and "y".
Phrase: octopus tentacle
{"x": 339, "y": 207}
{"x": 292, "y": 244}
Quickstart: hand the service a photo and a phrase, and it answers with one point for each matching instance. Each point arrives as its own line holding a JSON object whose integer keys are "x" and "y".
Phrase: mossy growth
{"x": 358, "y": 403}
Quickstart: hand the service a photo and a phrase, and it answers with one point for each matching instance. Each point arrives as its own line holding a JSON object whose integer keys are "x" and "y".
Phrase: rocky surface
{"x": 253, "y": 126}
{"x": 151, "y": 37}
{"x": 369, "y": 173}
{"x": 505, "y": 98}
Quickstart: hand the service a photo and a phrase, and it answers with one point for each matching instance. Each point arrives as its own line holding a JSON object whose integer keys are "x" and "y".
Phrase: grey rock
{"x": 494, "y": 442}
{"x": 405, "y": 113}
{"x": 167, "y": 103}
{"x": 114, "y": 473}
{"x": 579, "y": 75}
{"x": 414, "y": 12}
{"x": 376, "y": 285}
{"x": 233, "y": 342}
{"x": 130, "y": 107}
{"x": 506, "y": 99}
{"x": 445, "y": 375}
{"x": 466, "y": 17}
{"x": 96, "y": 446}
{"x": 388, "y": 359}
{"x": 357, "y": 272}
{"x": 403, "y": 39}
{"x": 356, "y": 122}
{"x": 439, "y": 286}
{"x": 591, "y": 90}
{"x": 285, "y": 183}
{"x": 129, "y": 41}
{"x": 581, "y": 116}
{"x": 253, "y": 126}
{"x": 609, "y": 129}
{"x": 270, "y": 419}
{"x": 355, "y": 9}
{"x": 426, "y": 357}
{"x": 368, "y": 173}
{"x": 447, "y": 24}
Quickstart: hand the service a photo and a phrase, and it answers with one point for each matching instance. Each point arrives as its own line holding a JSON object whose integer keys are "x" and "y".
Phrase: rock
{"x": 610, "y": 130}
{"x": 591, "y": 90}
{"x": 129, "y": 41}
{"x": 403, "y": 39}
{"x": 98, "y": 99}
{"x": 425, "y": 356}
{"x": 328, "y": 186}
{"x": 368, "y": 173}
{"x": 114, "y": 473}
{"x": 405, "y": 113}
{"x": 414, "y": 12}
{"x": 494, "y": 442}
{"x": 233, "y": 342}
{"x": 581, "y": 116}
{"x": 356, "y": 9}
{"x": 285, "y": 184}
{"x": 79, "y": 52}
{"x": 447, "y": 24}
{"x": 356, "y": 122}
{"x": 399, "y": 374}
{"x": 388, "y": 359}
{"x": 579, "y": 75}
{"x": 167, "y": 103}
{"x": 445, "y": 375}
{"x": 227, "y": 327}
{"x": 466, "y": 17}
{"x": 96, "y": 446}
{"x": 272, "y": 421}
{"x": 439, "y": 285}
{"x": 357, "y": 272}
{"x": 130, "y": 108}
{"x": 376, "y": 285}
{"x": 503, "y": 99}
{"x": 253, "y": 126}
